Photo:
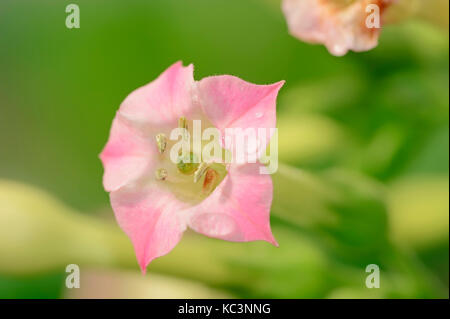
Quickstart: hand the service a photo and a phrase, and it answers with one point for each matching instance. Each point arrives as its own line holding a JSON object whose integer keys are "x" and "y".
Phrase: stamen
{"x": 161, "y": 174}
{"x": 182, "y": 122}
{"x": 161, "y": 141}
{"x": 200, "y": 171}
{"x": 210, "y": 182}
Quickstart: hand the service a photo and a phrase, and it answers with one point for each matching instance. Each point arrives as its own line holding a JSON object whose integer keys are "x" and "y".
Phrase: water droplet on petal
{"x": 258, "y": 115}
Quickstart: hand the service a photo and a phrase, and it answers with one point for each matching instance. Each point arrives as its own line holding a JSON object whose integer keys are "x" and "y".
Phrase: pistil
{"x": 187, "y": 164}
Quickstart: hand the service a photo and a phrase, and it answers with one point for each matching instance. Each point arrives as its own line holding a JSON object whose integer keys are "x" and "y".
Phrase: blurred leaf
{"x": 310, "y": 139}
{"x": 38, "y": 233}
{"x": 342, "y": 210}
{"x": 433, "y": 158}
{"x": 419, "y": 209}
{"x": 43, "y": 286}
{"x": 324, "y": 95}
{"x": 329, "y": 245}
{"x": 116, "y": 284}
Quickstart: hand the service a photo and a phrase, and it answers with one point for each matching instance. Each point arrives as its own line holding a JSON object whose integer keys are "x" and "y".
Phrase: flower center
{"x": 189, "y": 178}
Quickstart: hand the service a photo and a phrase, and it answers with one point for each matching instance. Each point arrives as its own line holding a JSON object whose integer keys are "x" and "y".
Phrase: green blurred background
{"x": 364, "y": 140}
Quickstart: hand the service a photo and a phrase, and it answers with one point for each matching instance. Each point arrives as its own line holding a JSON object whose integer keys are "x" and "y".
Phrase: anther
{"x": 210, "y": 182}
{"x": 161, "y": 141}
{"x": 161, "y": 174}
{"x": 200, "y": 171}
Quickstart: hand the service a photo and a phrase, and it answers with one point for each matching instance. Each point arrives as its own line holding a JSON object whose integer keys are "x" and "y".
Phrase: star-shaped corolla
{"x": 340, "y": 25}
{"x": 156, "y": 199}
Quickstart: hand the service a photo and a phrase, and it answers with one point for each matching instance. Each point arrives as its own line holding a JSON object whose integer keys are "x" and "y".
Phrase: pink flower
{"x": 338, "y": 24}
{"x": 154, "y": 199}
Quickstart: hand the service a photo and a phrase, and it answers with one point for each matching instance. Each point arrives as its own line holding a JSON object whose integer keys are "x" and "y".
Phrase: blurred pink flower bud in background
{"x": 340, "y": 25}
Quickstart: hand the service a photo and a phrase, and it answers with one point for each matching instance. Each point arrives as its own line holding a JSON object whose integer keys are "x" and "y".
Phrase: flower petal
{"x": 239, "y": 208}
{"x": 164, "y": 100}
{"x": 230, "y": 102}
{"x": 340, "y": 27}
{"x": 150, "y": 217}
{"x": 126, "y": 155}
